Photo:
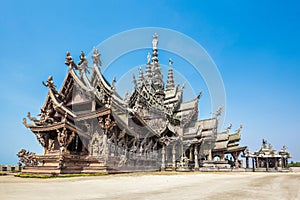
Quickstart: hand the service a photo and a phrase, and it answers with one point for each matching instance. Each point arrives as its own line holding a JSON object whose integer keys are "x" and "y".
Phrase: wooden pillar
{"x": 163, "y": 163}
{"x": 256, "y": 163}
{"x": 253, "y": 165}
{"x": 105, "y": 148}
{"x": 191, "y": 153}
{"x": 267, "y": 164}
{"x": 166, "y": 154}
{"x": 276, "y": 163}
{"x": 174, "y": 157}
{"x": 247, "y": 162}
{"x": 209, "y": 155}
{"x": 196, "y": 158}
{"x": 236, "y": 159}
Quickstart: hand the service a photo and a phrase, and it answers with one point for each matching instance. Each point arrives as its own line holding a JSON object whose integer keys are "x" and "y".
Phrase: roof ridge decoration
{"x": 83, "y": 64}
{"x": 96, "y": 58}
{"x": 50, "y": 84}
{"x": 170, "y": 81}
{"x": 69, "y": 61}
{"x": 141, "y": 77}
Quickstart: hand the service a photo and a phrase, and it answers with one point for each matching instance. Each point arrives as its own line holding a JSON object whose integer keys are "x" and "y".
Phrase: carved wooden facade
{"x": 86, "y": 127}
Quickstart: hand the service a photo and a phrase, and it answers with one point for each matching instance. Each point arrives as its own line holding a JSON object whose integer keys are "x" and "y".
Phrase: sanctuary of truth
{"x": 86, "y": 127}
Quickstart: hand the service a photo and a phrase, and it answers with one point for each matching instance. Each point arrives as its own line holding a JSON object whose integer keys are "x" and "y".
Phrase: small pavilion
{"x": 267, "y": 158}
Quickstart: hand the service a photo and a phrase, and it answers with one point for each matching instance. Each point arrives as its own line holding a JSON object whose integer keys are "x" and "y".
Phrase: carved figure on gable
{"x": 83, "y": 64}
{"x": 50, "y": 84}
{"x": 69, "y": 61}
{"x": 96, "y": 58}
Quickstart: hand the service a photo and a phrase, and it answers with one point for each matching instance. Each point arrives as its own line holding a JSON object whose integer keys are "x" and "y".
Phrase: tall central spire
{"x": 157, "y": 77}
{"x": 154, "y": 48}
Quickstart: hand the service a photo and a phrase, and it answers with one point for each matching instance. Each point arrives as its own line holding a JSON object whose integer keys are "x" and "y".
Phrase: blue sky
{"x": 255, "y": 45}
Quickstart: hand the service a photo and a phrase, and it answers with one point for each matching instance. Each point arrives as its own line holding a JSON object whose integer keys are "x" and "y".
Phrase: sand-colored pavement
{"x": 211, "y": 186}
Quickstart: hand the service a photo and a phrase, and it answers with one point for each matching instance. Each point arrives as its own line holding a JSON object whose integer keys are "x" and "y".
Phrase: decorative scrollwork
{"x": 27, "y": 158}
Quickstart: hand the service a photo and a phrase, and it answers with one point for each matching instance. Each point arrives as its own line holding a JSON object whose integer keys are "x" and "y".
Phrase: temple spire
{"x": 154, "y": 48}
{"x": 148, "y": 75}
{"x": 157, "y": 77}
{"x": 134, "y": 80}
{"x": 141, "y": 77}
{"x": 170, "y": 81}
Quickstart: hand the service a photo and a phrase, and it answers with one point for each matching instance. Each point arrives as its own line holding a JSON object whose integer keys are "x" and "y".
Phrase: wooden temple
{"x": 267, "y": 158}
{"x": 86, "y": 127}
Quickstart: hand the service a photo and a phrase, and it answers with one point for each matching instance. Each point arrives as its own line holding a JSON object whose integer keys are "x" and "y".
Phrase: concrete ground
{"x": 211, "y": 186}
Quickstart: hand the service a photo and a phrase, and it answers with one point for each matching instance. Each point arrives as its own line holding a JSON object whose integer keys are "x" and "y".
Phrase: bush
{"x": 294, "y": 164}
{"x": 54, "y": 175}
{"x": 3, "y": 173}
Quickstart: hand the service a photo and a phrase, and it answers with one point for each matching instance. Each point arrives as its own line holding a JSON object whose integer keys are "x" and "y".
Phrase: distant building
{"x": 86, "y": 127}
{"x": 9, "y": 168}
{"x": 267, "y": 158}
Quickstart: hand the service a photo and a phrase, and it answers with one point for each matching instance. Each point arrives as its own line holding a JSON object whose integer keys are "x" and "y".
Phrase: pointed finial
{"x": 199, "y": 95}
{"x": 183, "y": 86}
{"x": 134, "y": 80}
{"x": 126, "y": 98}
{"x": 284, "y": 148}
{"x": 154, "y": 48}
{"x": 241, "y": 126}
{"x": 229, "y": 126}
{"x": 219, "y": 111}
{"x": 148, "y": 58}
{"x": 170, "y": 62}
{"x": 170, "y": 80}
{"x": 113, "y": 83}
